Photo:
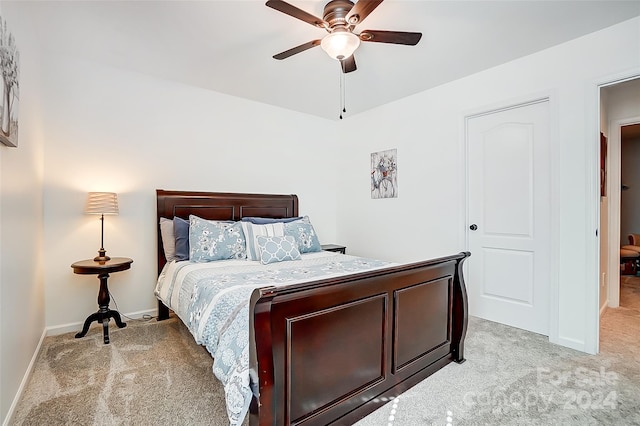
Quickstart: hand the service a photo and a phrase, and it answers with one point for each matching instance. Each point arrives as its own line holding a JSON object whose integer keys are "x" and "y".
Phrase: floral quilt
{"x": 212, "y": 299}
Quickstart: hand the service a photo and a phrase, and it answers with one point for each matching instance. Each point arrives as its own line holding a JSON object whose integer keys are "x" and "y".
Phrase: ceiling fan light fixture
{"x": 340, "y": 44}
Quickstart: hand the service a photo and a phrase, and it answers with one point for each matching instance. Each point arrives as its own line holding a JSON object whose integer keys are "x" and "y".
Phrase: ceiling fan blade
{"x": 395, "y": 37}
{"x": 291, "y": 10}
{"x": 297, "y": 49}
{"x": 349, "y": 64}
{"x": 361, "y": 10}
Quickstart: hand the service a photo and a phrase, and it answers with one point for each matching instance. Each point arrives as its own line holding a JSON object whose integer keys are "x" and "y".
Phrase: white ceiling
{"x": 227, "y": 46}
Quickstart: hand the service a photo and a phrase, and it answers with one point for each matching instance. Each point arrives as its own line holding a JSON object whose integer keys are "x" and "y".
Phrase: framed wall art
{"x": 9, "y": 87}
{"x": 384, "y": 174}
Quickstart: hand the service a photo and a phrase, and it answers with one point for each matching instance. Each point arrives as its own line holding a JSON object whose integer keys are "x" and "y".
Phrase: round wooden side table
{"x": 102, "y": 269}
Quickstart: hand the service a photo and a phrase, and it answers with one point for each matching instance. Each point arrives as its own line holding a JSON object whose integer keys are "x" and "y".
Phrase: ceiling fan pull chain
{"x": 341, "y": 93}
{"x": 343, "y": 108}
{"x": 344, "y": 92}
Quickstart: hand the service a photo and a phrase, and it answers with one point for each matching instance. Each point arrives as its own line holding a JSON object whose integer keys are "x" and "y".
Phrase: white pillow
{"x": 168, "y": 238}
{"x": 251, "y": 231}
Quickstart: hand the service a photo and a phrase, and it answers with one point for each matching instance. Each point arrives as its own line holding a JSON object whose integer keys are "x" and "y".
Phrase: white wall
{"x": 604, "y": 253}
{"x": 427, "y": 129}
{"x": 21, "y": 282}
{"x": 111, "y": 130}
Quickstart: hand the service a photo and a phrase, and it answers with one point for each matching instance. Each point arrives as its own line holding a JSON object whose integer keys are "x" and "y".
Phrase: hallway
{"x": 630, "y": 293}
{"x": 620, "y": 327}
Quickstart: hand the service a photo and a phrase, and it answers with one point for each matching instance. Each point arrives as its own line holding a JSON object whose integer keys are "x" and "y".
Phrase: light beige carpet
{"x": 151, "y": 373}
{"x": 154, "y": 373}
{"x": 514, "y": 377}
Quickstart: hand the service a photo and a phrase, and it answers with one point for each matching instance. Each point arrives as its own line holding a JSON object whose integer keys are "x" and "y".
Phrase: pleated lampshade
{"x": 102, "y": 203}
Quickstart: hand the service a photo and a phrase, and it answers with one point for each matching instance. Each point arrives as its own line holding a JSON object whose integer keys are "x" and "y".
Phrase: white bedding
{"x": 212, "y": 299}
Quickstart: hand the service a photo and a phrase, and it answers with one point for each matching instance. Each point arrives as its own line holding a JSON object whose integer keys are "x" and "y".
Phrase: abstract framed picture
{"x": 9, "y": 87}
{"x": 384, "y": 174}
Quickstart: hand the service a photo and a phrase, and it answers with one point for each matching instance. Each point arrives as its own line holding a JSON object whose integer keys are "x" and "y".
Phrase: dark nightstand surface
{"x": 91, "y": 267}
{"x": 334, "y": 247}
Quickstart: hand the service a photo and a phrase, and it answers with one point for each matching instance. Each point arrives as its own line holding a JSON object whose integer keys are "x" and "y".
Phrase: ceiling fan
{"x": 339, "y": 19}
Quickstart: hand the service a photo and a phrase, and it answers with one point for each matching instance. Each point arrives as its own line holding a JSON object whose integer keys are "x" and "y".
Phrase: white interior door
{"x": 509, "y": 216}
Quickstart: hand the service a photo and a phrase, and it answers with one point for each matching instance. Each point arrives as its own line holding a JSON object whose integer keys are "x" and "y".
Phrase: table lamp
{"x": 102, "y": 203}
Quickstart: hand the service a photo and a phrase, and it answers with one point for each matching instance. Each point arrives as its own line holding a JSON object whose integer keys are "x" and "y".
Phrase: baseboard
{"x": 603, "y": 308}
{"x": 576, "y": 344}
{"x": 77, "y": 326}
{"x": 25, "y": 380}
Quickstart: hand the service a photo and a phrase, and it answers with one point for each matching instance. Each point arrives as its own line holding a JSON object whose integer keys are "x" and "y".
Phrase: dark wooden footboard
{"x": 327, "y": 351}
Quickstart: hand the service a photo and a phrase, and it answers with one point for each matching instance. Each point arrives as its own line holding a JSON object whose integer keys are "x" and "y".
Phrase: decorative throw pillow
{"x": 251, "y": 231}
{"x": 265, "y": 220}
{"x": 210, "y": 240}
{"x": 181, "y": 233}
{"x": 304, "y": 234}
{"x": 277, "y": 249}
{"x": 168, "y": 238}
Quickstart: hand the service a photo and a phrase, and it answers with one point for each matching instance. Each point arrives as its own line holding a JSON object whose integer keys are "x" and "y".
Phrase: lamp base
{"x": 102, "y": 256}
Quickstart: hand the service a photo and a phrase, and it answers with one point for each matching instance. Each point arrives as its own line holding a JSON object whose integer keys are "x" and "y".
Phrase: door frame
{"x": 550, "y": 97}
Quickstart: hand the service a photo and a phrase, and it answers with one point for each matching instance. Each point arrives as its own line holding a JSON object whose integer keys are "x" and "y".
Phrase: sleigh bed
{"x": 332, "y": 350}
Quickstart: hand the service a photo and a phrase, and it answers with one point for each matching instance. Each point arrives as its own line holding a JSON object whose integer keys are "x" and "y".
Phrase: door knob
{"x": 473, "y": 227}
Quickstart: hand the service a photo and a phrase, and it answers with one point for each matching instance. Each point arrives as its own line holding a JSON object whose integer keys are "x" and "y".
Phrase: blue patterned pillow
{"x": 210, "y": 240}
{"x": 277, "y": 249}
{"x": 304, "y": 234}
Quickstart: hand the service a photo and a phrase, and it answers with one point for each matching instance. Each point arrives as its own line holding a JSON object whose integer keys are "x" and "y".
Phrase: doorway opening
{"x": 629, "y": 289}
{"x": 620, "y": 127}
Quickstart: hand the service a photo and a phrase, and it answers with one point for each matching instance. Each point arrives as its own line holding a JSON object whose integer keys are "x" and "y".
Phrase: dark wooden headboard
{"x": 219, "y": 206}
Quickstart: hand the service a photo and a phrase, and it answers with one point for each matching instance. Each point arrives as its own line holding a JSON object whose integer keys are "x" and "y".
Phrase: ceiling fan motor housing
{"x": 335, "y": 13}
